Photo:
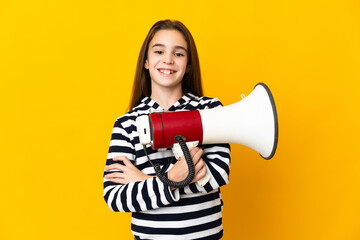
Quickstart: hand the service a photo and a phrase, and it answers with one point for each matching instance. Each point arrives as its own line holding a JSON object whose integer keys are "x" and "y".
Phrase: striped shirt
{"x": 192, "y": 212}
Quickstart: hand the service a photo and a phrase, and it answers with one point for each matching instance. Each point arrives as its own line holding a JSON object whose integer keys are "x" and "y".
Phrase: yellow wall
{"x": 66, "y": 70}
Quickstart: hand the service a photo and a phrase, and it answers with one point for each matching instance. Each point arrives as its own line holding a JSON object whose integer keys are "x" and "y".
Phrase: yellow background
{"x": 66, "y": 71}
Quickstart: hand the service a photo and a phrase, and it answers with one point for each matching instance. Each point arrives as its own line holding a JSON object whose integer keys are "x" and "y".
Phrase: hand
{"x": 129, "y": 173}
{"x": 180, "y": 169}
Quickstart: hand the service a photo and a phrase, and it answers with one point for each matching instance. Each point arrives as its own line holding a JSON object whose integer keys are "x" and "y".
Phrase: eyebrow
{"x": 163, "y": 45}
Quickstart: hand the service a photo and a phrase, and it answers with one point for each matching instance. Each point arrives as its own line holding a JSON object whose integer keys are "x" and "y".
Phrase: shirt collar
{"x": 184, "y": 100}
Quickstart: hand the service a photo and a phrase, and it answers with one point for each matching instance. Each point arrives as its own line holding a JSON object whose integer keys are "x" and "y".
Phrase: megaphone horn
{"x": 251, "y": 122}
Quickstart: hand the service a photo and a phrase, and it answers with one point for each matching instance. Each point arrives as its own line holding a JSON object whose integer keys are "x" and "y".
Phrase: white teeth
{"x": 166, "y": 71}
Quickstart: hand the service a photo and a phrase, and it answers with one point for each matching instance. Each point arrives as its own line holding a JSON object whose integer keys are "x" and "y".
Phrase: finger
{"x": 199, "y": 165}
{"x": 114, "y": 175}
{"x": 194, "y": 151}
{"x": 116, "y": 166}
{"x": 200, "y": 174}
{"x": 128, "y": 163}
{"x": 197, "y": 156}
{"x": 120, "y": 158}
{"x": 117, "y": 180}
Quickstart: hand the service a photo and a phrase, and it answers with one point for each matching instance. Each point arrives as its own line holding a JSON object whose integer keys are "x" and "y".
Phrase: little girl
{"x": 167, "y": 79}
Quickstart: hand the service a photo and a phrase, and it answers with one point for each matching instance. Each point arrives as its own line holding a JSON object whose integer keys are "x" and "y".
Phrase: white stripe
{"x": 162, "y": 192}
{"x": 187, "y": 190}
{"x": 111, "y": 196}
{"x": 133, "y": 135}
{"x": 115, "y": 154}
{"x": 180, "y": 237}
{"x": 148, "y": 170}
{"x": 139, "y": 196}
{"x": 198, "y": 194}
{"x": 215, "y": 149}
{"x": 129, "y": 123}
{"x": 119, "y": 131}
{"x": 141, "y": 160}
{"x": 222, "y": 173}
{"x": 118, "y": 200}
{"x": 132, "y": 114}
{"x": 121, "y": 143}
{"x": 185, "y": 209}
{"x": 194, "y": 104}
{"x": 151, "y": 193}
{"x": 143, "y": 112}
{"x": 108, "y": 188}
{"x": 129, "y": 199}
{"x": 213, "y": 156}
{"x": 177, "y": 223}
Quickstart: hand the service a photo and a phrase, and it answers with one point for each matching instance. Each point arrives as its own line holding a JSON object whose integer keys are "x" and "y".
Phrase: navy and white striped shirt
{"x": 192, "y": 212}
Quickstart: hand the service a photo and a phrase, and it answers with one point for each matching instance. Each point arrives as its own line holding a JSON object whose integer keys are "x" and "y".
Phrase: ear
{"x": 188, "y": 67}
{"x": 146, "y": 64}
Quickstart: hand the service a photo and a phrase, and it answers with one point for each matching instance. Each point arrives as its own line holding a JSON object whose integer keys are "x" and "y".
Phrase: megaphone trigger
{"x": 178, "y": 153}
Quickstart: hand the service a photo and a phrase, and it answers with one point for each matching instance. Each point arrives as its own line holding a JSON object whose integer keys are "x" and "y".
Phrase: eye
{"x": 158, "y": 52}
{"x": 177, "y": 54}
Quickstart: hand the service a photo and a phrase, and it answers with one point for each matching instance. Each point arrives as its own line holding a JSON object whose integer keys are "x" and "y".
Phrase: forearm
{"x": 138, "y": 196}
{"x": 217, "y": 161}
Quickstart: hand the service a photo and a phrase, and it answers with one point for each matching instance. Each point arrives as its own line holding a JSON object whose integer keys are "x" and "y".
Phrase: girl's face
{"x": 167, "y": 59}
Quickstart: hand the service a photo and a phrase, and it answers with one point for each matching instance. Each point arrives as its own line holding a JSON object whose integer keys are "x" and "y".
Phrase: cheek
{"x": 152, "y": 61}
{"x": 186, "y": 66}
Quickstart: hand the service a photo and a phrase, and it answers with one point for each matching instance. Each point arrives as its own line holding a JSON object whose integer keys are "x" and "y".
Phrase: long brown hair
{"x": 191, "y": 82}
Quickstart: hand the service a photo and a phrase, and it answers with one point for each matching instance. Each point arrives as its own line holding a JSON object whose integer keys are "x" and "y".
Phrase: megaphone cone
{"x": 251, "y": 122}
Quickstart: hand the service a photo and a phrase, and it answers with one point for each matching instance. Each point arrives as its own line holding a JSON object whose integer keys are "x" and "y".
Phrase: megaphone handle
{"x": 161, "y": 175}
{"x": 178, "y": 153}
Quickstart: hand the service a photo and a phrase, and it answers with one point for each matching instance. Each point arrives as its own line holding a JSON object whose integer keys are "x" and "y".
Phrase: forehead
{"x": 169, "y": 38}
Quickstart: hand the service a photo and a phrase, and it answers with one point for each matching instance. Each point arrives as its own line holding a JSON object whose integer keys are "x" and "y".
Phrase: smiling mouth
{"x": 166, "y": 71}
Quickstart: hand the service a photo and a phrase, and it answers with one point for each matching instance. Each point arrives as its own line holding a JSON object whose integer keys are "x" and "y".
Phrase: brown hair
{"x": 191, "y": 82}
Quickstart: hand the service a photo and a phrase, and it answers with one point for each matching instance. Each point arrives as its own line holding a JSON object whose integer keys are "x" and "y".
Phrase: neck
{"x": 165, "y": 97}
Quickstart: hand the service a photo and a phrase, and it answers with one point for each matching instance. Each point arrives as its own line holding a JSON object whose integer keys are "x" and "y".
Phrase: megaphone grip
{"x": 162, "y": 176}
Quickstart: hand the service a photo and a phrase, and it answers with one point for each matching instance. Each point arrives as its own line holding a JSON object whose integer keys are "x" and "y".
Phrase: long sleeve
{"x": 136, "y": 196}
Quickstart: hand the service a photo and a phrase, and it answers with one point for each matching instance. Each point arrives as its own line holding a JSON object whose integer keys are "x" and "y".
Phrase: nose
{"x": 168, "y": 59}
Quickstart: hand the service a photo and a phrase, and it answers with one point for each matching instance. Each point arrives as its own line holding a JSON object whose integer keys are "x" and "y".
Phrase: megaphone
{"x": 251, "y": 122}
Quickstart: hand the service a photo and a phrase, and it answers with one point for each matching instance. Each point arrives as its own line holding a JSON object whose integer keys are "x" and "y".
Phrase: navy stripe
{"x": 177, "y": 231}
{"x": 193, "y": 188}
{"x": 216, "y": 175}
{"x": 157, "y": 193}
{"x": 196, "y": 200}
{"x": 124, "y": 198}
{"x": 133, "y": 197}
{"x": 145, "y": 195}
{"x": 113, "y": 203}
{"x": 178, "y": 216}
{"x": 220, "y": 163}
{"x": 121, "y": 149}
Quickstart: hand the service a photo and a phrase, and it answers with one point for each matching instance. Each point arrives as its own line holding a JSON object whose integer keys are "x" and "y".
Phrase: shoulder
{"x": 127, "y": 120}
{"x": 131, "y": 115}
